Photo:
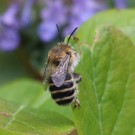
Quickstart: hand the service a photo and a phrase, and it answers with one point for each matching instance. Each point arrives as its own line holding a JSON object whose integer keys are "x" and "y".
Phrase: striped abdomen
{"x": 67, "y": 92}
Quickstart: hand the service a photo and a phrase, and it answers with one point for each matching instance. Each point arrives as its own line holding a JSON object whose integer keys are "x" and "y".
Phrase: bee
{"x": 59, "y": 73}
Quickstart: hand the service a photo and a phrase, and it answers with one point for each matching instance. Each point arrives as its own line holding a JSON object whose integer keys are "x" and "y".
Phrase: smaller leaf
{"x": 33, "y": 94}
{"x": 19, "y": 120}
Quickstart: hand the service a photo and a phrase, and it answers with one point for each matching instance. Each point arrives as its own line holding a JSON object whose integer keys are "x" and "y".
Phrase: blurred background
{"x": 28, "y": 30}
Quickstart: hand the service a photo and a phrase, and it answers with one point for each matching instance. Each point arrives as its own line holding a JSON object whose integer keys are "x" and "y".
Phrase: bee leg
{"x": 77, "y": 77}
{"x": 76, "y": 103}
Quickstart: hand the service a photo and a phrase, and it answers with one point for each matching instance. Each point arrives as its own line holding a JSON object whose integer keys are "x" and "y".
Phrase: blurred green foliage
{"x": 106, "y": 44}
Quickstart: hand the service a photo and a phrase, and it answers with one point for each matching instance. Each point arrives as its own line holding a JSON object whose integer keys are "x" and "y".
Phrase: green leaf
{"x": 32, "y": 94}
{"x": 22, "y": 91}
{"x": 107, "y": 90}
{"x": 122, "y": 19}
{"x": 21, "y": 120}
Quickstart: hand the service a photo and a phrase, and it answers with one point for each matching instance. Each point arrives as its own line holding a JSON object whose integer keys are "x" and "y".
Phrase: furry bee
{"x": 59, "y": 73}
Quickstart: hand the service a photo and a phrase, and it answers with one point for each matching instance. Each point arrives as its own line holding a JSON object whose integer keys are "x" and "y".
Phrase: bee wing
{"x": 58, "y": 77}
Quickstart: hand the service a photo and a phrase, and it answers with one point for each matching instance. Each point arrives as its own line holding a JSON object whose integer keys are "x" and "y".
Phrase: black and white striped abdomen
{"x": 64, "y": 94}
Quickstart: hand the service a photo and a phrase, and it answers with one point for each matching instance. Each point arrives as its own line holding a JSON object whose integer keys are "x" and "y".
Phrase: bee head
{"x": 58, "y": 52}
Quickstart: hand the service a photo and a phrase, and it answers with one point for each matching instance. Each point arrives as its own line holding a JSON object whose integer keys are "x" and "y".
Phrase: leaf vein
{"x": 24, "y": 123}
{"x": 107, "y": 76}
{"x": 14, "y": 115}
{"x": 97, "y": 100}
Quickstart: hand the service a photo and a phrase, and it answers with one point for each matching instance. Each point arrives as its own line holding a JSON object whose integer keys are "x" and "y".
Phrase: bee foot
{"x": 76, "y": 103}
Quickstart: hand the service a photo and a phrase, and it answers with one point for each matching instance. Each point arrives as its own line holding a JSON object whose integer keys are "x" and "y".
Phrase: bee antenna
{"x": 59, "y": 33}
{"x": 71, "y": 34}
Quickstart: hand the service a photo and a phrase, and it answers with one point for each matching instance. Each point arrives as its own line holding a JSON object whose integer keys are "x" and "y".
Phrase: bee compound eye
{"x": 75, "y": 53}
{"x": 69, "y": 53}
{"x": 56, "y": 63}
